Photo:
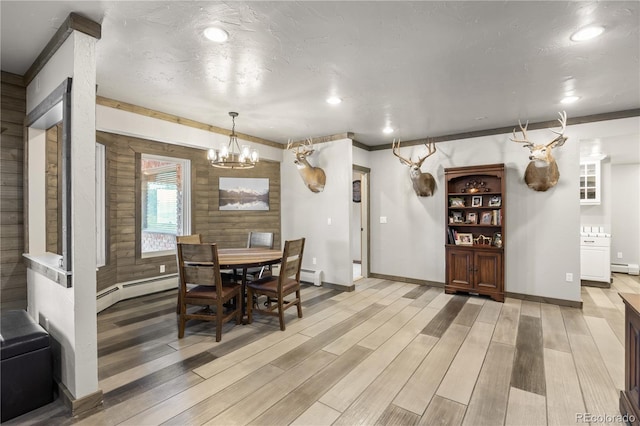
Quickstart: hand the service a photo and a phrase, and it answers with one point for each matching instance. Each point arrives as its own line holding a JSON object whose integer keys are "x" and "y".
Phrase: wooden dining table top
{"x": 248, "y": 257}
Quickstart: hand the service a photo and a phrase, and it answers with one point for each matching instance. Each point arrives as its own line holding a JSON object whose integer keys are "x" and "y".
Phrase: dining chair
{"x": 259, "y": 239}
{"x": 189, "y": 239}
{"x": 199, "y": 266}
{"x": 276, "y": 288}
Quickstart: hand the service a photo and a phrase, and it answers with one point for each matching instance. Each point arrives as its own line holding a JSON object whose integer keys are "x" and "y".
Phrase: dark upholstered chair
{"x": 198, "y": 265}
{"x": 277, "y": 288}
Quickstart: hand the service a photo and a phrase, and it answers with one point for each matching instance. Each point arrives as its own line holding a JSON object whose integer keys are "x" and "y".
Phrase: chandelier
{"x": 230, "y": 156}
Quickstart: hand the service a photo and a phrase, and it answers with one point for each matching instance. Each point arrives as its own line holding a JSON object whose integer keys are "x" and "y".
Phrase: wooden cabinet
{"x": 630, "y": 395}
{"x": 475, "y": 200}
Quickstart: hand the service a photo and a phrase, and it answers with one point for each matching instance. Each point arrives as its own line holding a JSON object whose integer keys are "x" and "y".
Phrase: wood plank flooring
{"x": 389, "y": 353}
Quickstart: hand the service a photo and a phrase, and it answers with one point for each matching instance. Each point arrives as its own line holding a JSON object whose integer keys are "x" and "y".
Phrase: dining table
{"x": 245, "y": 258}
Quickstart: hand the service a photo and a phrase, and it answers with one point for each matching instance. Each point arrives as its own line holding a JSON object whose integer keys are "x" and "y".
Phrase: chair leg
{"x": 179, "y": 300}
{"x": 299, "y": 304}
{"x": 249, "y": 305}
{"x": 281, "y": 312}
{"x": 239, "y": 309}
{"x": 219, "y": 318}
{"x": 182, "y": 320}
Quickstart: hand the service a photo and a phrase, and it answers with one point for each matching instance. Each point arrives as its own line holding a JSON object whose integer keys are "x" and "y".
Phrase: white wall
{"x": 306, "y": 214}
{"x": 69, "y": 314}
{"x": 625, "y": 200}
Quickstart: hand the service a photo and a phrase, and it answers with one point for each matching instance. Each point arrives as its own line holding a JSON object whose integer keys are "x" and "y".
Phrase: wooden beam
{"x": 73, "y": 22}
{"x": 124, "y": 106}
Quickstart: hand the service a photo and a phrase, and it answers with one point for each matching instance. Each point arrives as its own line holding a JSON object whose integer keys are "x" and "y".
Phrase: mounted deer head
{"x": 542, "y": 172}
{"x": 313, "y": 177}
{"x": 423, "y": 183}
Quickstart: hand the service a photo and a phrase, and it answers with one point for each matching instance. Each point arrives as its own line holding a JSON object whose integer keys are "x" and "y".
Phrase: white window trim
{"x": 101, "y": 225}
{"x": 186, "y": 200}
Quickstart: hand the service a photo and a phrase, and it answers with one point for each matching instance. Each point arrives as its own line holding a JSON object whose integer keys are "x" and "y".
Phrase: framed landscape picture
{"x": 243, "y": 193}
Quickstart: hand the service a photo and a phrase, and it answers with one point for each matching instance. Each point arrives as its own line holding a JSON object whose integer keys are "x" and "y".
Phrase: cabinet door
{"x": 460, "y": 268}
{"x": 488, "y": 270}
{"x": 595, "y": 263}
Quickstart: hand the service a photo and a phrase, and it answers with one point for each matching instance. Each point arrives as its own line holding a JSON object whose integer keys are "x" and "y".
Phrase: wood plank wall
{"x": 13, "y": 276}
{"x": 227, "y": 228}
{"x": 54, "y": 224}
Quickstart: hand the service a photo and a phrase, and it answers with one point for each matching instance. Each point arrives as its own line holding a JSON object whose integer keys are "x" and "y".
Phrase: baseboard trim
{"x": 599, "y": 284}
{"x": 543, "y": 299}
{"x": 406, "y": 280}
{"x": 80, "y": 405}
{"x": 339, "y": 287}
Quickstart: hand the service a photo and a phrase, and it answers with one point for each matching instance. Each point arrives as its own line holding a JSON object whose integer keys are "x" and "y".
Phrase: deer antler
{"x": 525, "y": 141}
{"x": 560, "y": 139}
{"x": 431, "y": 149}
{"x": 394, "y": 147}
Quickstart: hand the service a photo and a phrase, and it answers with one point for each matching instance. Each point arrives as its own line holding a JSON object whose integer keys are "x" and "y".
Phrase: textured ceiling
{"x": 425, "y": 68}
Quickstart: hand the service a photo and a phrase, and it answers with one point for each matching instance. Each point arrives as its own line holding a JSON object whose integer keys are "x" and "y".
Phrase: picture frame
{"x": 476, "y": 201}
{"x": 486, "y": 217}
{"x": 243, "y": 194}
{"x": 495, "y": 201}
{"x": 497, "y": 239}
{"x": 472, "y": 217}
{"x": 464, "y": 239}
{"x": 457, "y": 217}
{"x": 456, "y": 202}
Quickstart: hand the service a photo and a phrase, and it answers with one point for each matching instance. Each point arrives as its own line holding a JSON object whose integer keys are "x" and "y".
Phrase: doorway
{"x": 360, "y": 222}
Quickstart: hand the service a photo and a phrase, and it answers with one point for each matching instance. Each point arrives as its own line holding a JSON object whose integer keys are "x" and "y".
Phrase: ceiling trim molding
{"x": 532, "y": 126}
{"x": 328, "y": 138}
{"x": 124, "y": 106}
{"x": 73, "y": 22}
{"x": 360, "y": 145}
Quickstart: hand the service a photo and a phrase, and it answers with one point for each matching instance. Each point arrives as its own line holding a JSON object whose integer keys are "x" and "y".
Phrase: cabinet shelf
{"x": 476, "y": 268}
{"x": 475, "y": 225}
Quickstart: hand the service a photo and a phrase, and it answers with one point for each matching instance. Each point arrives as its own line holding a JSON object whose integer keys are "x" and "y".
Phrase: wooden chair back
{"x": 188, "y": 239}
{"x": 291, "y": 261}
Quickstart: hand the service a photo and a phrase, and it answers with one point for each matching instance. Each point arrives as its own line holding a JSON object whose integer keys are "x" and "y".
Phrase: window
{"x": 165, "y": 200}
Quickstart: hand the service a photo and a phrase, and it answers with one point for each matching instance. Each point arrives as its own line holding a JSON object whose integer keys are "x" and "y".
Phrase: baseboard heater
{"x": 626, "y": 268}
{"x": 130, "y": 289}
{"x": 311, "y": 276}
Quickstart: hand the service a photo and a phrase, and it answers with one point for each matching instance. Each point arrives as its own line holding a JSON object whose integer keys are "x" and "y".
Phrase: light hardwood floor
{"x": 387, "y": 353}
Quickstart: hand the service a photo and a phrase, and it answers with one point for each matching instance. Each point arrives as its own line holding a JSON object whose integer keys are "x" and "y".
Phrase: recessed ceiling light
{"x": 587, "y": 33}
{"x": 216, "y": 34}
{"x": 387, "y": 130}
{"x": 569, "y": 99}
{"x": 334, "y": 100}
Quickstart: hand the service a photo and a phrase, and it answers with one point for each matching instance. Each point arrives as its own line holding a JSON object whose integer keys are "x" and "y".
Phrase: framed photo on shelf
{"x": 456, "y": 202}
{"x": 464, "y": 239}
{"x": 476, "y": 201}
{"x": 457, "y": 217}
{"x": 472, "y": 217}
{"x": 485, "y": 219}
{"x": 495, "y": 201}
